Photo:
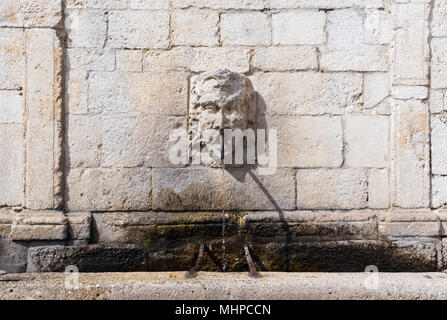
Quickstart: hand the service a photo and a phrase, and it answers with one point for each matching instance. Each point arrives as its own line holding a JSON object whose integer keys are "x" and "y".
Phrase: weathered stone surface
{"x": 308, "y": 142}
{"x": 96, "y": 4}
{"x": 90, "y": 59}
{"x": 43, "y": 178}
{"x": 109, "y": 189}
{"x": 39, "y": 225}
{"x": 84, "y": 141}
{"x": 79, "y": 225}
{"x": 439, "y": 63}
{"x": 317, "y": 93}
{"x": 311, "y": 225}
{"x": 410, "y": 92}
{"x": 285, "y": 58}
{"x": 92, "y": 258}
{"x": 332, "y": 189}
{"x": 346, "y": 50}
{"x": 129, "y": 60}
{"x": 129, "y": 29}
{"x": 12, "y": 256}
{"x": 201, "y": 189}
{"x": 194, "y": 27}
{"x": 322, "y": 4}
{"x": 437, "y": 98}
{"x": 31, "y": 13}
{"x": 438, "y": 144}
{"x": 376, "y": 87}
{"x": 366, "y": 141}
{"x": 439, "y": 191}
{"x": 12, "y": 106}
{"x": 438, "y": 27}
{"x": 138, "y": 93}
{"x": 412, "y": 154}
{"x": 219, "y": 4}
{"x": 245, "y": 28}
{"x": 11, "y": 165}
{"x": 299, "y": 27}
{"x": 442, "y": 215}
{"x": 153, "y": 4}
{"x": 197, "y": 59}
{"x": 6, "y": 218}
{"x": 76, "y": 95}
{"x": 411, "y": 50}
{"x": 86, "y": 29}
{"x": 12, "y": 58}
{"x": 131, "y": 142}
{"x": 377, "y": 27}
{"x": 378, "y": 189}
{"x": 409, "y": 224}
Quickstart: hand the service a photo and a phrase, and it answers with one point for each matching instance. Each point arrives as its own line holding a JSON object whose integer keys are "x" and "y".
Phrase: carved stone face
{"x": 222, "y": 100}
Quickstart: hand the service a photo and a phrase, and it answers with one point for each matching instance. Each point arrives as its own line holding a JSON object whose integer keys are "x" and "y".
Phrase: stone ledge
{"x": 39, "y": 225}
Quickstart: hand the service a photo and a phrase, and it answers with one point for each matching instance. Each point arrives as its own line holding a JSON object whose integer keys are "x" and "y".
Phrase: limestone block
{"x": 245, "y": 28}
{"x": 411, "y": 38}
{"x": 76, "y": 96}
{"x": 437, "y": 98}
{"x": 378, "y": 189}
{"x": 31, "y": 13}
{"x": 194, "y": 27}
{"x": 201, "y": 189}
{"x": 412, "y": 164}
{"x": 299, "y": 27}
{"x": 151, "y": 4}
{"x": 109, "y": 189}
{"x": 366, "y": 139}
{"x": 323, "y": 4}
{"x": 332, "y": 189}
{"x": 11, "y": 164}
{"x": 308, "y": 142}
{"x": 197, "y": 59}
{"x": 285, "y": 58}
{"x": 12, "y": 256}
{"x": 187, "y": 189}
{"x": 95, "y": 4}
{"x": 91, "y": 258}
{"x": 6, "y": 218}
{"x": 39, "y": 225}
{"x": 130, "y": 29}
{"x": 79, "y": 225}
{"x": 439, "y": 191}
{"x": 138, "y": 93}
{"x": 442, "y": 215}
{"x": 438, "y": 145}
{"x": 43, "y": 179}
{"x": 137, "y": 141}
{"x": 317, "y": 93}
{"x": 86, "y": 29}
{"x": 12, "y": 58}
{"x": 376, "y": 87}
{"x": 321, "y": 224}
{"x": 84, "y": 141}
{"x": 438, "y": 26}
{"x": 219, "y": 4}
{"x": 409, "y": 224}
{"x": 247, "y": 190}
{"x": 129, "y": 60}
{"x": 12, "y": 106}
{"x": 438, "y": 75}
{"x": 410, "y": 92}
{"x": 346, "y": 50}
{"x": 377, "y": 27}
{"x": 90, "y": 59}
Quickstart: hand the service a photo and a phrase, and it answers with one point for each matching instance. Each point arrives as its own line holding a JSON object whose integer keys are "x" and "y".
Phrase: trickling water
{"x": 222, "y": 155}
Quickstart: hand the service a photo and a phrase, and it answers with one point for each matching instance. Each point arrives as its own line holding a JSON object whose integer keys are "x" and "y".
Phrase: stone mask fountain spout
{"x": 220, "y": 100}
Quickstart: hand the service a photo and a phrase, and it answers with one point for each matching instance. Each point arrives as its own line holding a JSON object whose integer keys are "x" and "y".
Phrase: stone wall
{"x": 90, "y": 90}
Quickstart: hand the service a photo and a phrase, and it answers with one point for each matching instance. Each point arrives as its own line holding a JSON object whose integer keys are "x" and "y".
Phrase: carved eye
{"x": 212, "y": 107}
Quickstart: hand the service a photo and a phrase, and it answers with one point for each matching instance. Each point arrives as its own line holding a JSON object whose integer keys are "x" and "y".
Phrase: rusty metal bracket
{"x": 193, "y": 272}
{"x": 253, "y": 272}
